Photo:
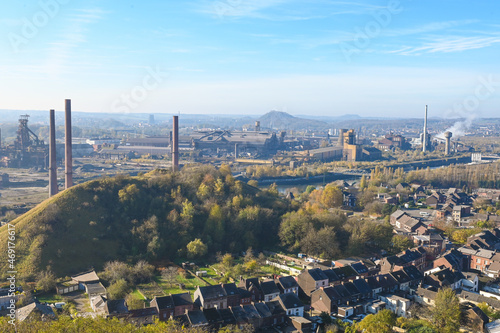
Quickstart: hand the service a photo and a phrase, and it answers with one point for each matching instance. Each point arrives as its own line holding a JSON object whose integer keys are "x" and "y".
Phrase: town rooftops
{"x": 317, "y": 274}
{"x": 25, "y": 311}
{"x": 182, "y": 299}
{"x": 289, "y": 301}
{"x": 230, "y": 289}
{"x": 164, "y": 302}
{"x": 269, "y": 287}
{"x": 287, "y": 282}
{"x": 215, "y": 291}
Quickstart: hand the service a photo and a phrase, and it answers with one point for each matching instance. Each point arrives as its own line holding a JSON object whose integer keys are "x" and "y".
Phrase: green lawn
{"x": 49, "y": 298}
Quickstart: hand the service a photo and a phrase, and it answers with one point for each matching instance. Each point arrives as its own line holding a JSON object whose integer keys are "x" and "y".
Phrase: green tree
{"x": 332, "y": 196}
{"x": 446, "y": 313}
{"x": 46, "y": 281}
{"x": 381, "y": 322}
{"x": 118, "y": 289}
{"x": 196, "y": 249}
{"x": 401, "y": 243}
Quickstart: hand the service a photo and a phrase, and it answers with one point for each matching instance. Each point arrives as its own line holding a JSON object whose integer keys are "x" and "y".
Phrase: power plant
{"x": 28, "y": 151}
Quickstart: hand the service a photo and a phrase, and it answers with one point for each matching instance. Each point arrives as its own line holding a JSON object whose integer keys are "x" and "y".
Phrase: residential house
{"x": 301, "y": 324}
{"x": 446, "y": 277}
{"x": 252, "y": 285}
{"x": 363, "y": 287}
{"x": 415, "y": 257}
{"x": 460, "y": 211}
{"x": 84, "y": 278}
{"x": 287, "y": 284}
{"x": 278, "y": 313}
{"x": 141, "y": 317}
{"x": 325, "y": 300}
{"x": 425, "y": 296}
{"x": 164, "y": 306}
{"x": 333, "y": 278}
{"x": 233, "y": 294}
{"x": 470, "y": 282}
{"x": 116, "y": 308}
{"x": 397, "y": 304}
{"x": 476, "y": 319}
{"x": 451, "y": 259}
{"x": 311, "y": 279}
{"x": 269, "y": 289}
{"x": 35, "y": 310}
{"x": 182, "y": 303}
{"x": 374, "y": 285}
{"x": 196, "y": 318}
{"x": 211, "y": 297}
{"x": 291, "y": 304}
{"x": 482, "y": 259}
{"x": 214, "y": 318}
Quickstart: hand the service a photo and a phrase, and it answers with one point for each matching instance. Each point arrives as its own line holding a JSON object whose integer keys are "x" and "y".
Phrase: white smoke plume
{"x": 459, "y": 128}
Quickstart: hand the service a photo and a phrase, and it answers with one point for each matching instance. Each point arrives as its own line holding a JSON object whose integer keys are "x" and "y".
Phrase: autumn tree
{"x": 381, "y": 322}
{"x": 446, "y": 313}
{"x": 332, "y": 196}
{"x": 196, "y": 249}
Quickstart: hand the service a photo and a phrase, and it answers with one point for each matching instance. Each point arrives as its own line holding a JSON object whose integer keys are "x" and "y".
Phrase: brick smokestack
{"x": 175, "y": 144}
{"x": 53, "y": 188}
{"x": 68, "y": 145}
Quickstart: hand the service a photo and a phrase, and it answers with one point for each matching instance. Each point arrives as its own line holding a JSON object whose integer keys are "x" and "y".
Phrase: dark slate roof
{"x": 239, "y": 314}
{"x": 362, "y": 286}
{"x": 146, "y": 312}
{"x": 351, "y": 288}
{"x": 230, "y": 289}
{"x": 317, "y": 274}
{"x": 480, "y": 314}
{"x": 214, "y": 291}
{"x": 275, "y": 307}
{"x": 287, "y": 282}
{"x": 95, "y": 288}
{"x": 182, "y": 320}
{"x": 348, "y": 271}
{"x": 372, "y": 282}
{"x": 251, "y": 311}
{"x": 212, "y": 315}
{"x": 263, "y": 309}
{"x": 247, "y": 283}
{"x": 387, "y": 281}
{"x": 477, "y": 298}
{"x": 164, "y": 302}
{"x": 117, "y": 306}
{"x": 290, "y": 301}
{"x": 331, "y": 293}
{"x": 182, "y": 299}
{"x": 401, "y": 276}
{"x": 413, "y": 273}
{"x": 332, "y": 277}
{"x": 342, "y": 291}
{"x": 359, "y": 267}
{"x": 244, "y": 293}
{"x": 269, "y": 287}
{"x": 196, "y": 317}
{"x": 227, "y": 316}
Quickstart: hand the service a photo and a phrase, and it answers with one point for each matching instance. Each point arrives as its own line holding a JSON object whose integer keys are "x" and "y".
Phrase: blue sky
{"x": 317, "y": 57}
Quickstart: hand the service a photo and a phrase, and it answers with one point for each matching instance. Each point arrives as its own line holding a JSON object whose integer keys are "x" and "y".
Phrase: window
{"x": 478, "y": 260}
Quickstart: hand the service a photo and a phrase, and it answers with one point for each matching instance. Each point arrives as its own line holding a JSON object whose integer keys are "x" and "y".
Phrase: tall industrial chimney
{"x": 68, "y": 159}
{"x": 341, "y": 137}
{"x": 424, "y": 141}
{"x": 53, "y": 188}
{"x": 175, "y": 144}
{"x": 447, "y": 136}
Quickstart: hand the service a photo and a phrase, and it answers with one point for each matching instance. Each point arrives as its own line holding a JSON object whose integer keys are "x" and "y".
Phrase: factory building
{"x": 347, "y": 149}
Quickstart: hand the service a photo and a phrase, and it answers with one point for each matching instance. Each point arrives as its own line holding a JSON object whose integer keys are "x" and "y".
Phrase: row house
{"x": 453, "y": 259}
{"x": 287, "y": 284}
{"x": 489, "y": 240}
{"x": 211, "y": 297}
{"x": 172, "y": 305}
{"x": 415, "y": 257}
{"x": 311, "y": 279}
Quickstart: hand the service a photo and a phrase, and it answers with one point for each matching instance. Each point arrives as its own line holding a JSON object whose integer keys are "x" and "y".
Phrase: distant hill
{"x": 151, "y": 217}
{"x": 285, "y": 121}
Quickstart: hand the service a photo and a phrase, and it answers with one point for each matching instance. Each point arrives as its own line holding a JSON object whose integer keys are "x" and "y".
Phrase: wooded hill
{"x": 152, "y": 216}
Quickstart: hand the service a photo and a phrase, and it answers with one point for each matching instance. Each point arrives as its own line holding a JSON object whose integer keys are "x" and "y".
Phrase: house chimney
{"x": 68, "y": 145}
{"x": 175, "y": 144}
{"x": 53, "y": 188}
